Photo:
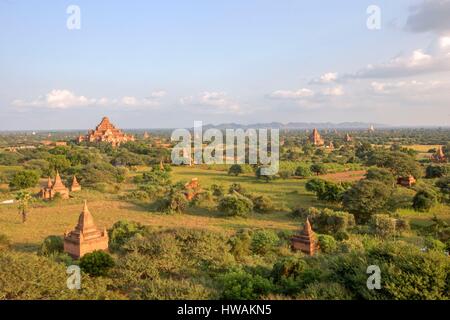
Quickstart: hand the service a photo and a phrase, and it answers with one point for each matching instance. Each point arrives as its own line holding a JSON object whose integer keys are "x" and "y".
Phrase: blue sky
{"x": 149, "y": 64}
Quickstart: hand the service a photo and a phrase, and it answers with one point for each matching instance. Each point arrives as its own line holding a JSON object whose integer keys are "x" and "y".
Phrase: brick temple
{"x": 106, "y": 132}
{"x": 53, "y": 188}
{"x": 306, "y": 240}
{"x": 439, "y": 155}
{"x": 86, "y": 237}
{"x": 315, "y": 138}
{"x": 75, "y": 185}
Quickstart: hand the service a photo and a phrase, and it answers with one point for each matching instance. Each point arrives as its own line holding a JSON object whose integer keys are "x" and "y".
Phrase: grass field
{"x": 55, "y": 218}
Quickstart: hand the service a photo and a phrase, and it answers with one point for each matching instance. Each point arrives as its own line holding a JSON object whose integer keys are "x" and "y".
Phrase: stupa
{"x": 51, "y": 189}
{"x": 75, "y": 185}
{"x": 315, "y": 138}
{"x": 86, "y": 237}
{"x": 306, "y": 241}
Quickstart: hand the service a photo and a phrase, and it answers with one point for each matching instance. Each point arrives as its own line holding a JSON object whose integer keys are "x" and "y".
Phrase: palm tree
{"x": 24, "y": 199}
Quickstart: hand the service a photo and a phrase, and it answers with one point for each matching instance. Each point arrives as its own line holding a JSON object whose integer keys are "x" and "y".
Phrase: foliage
{"x": 241, "y": 285}
{"x": 380, "y": 174}
{"x": 96, "y": 263}
{"x": 327, "y": 243}
{"x": 263, "y": 241}
{"x": 262, "y": 204}
{"x": 235, "y": 205}
{"x": 24, "y": 179}
{"x": 424, "y": 200}
{"x": 122, "y": 231}
{"x": 383, "y": 225}
{"x": 303, "y": 172}
{"x": 318, "y": 168}
{"x": 51, "y": 245}
{"x": 365, "y": 198}
{"x": 235, "y": 170}
{"x": 434, "y": 171}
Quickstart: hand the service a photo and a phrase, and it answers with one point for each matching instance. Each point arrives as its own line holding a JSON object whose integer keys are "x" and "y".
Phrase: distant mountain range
{"x": 298, "y": 125}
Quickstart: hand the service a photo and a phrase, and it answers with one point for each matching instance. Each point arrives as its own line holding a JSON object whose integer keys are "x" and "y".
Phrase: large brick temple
{"x": 316, "y": 139}
{"x": 106, "y": 132}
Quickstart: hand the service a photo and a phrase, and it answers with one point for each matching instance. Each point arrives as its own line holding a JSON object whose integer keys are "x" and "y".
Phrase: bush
{"x": 235, "y": 170}
{"x": 174, "y": 202}
{"x": 51, "y": 245}
{"x": 240, "y": 285}
{"x": 97, "y": 263}
{"x": 237, "y": 187}
{"x": 327, "y": 243}
{"x": 235, "y": 205}
{"x": 240, "y": 243}
{"x": 424, "y": 200}
{"x": 380, "y": 174}
{"x": 383, "y": 225}
{"x": 434, "y": 244}
{"x": 329, "y": 221}
{"x": 434, "y": 171}
{"x": 285, "y": 174}
{"x": 24, "y": 179}
{"x": 217, "y": 190}
{"x": 122, "y": 231}
{"x": 262, "y": 204}
{"x": 303, "y": 172}
{"x": 318, "y": 168}
{"x": 264, "y": 241}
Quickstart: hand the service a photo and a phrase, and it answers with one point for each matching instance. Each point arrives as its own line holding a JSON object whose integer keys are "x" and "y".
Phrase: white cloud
{"x": 292, "y": 95}
{"x": 326, "y": 78}
{"x": 217, "y": 102}
{"x": 64, "y": 99}
{"x": 336, "y": 91}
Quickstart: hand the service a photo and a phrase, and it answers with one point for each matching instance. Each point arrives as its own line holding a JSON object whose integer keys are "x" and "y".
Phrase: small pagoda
{"x": 86, "y": 237}
{"x": 316, "y": 139}
{"x": 348, "y": 138}
{"x": 75, "y": 185}
{"x": 305, "y": 241}
{"x": 53, "y": 188}
{"x": 439, "y": 155}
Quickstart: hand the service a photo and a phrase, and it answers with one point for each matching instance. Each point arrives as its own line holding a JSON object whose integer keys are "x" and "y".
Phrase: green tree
{"x": 235, "y": 205}
{"x": 318, "y": 168}
{"x": 380, "y": 174}
{"x": 97, "y": 263}
{"x": 433, "y": 171}
{"x": 24, "y": 200}
{"x": 424, "y": 200}
{"x": 303, "y": 172}
{"x": 24, "y": 179}
{"x": 365, "y": 198}
{"x": 235, "y": 170}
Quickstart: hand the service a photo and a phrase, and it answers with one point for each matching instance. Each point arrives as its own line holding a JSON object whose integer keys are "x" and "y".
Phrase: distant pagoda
{"x": 86, "y": 237}
{"x": 315, "y": 138}
{"x": 305, "y": 241}
{"x": 348, "y": 138}
{"x": 106, "y": 132}
{"x": 439, "y": 155}
{"x": 53, "y": 188}
{"x": 75, "y": 185}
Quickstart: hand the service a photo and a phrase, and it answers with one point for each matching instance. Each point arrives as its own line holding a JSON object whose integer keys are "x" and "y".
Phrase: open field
{"x": 56, "y": 218}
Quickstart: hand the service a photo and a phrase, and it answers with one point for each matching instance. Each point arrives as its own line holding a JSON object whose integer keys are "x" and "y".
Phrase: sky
{"x": 166, "y": 64}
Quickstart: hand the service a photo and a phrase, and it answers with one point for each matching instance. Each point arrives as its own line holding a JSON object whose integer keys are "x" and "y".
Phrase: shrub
{"x": 434, "y": 171}
{"x": 329, "y": 221}
{"x": 380, "y": 174}
{"x": 235, "y": 205}
{"x": 303, "y": 172}
{"x": 318, "y": 168}
{"x": 434, "y": 244}
{"x": 217, "y": 190}
{"x": 240, "y": 243}
{"x": 174, "y": 202}
{"x": 237, "y": 187}
{"x": 264, "y": 241}
{"x": 241, "y": 285}
{"x": 262, "y": 204}
{"x": 285, "y": 174}
{"x": 382, "y": 225}
{"x": 97, "y": 263}
{"x": 235, "y": 170}
{"x": 327, "y": 243}
{"x": 24, "y": 179}
{"x": 424, "y": 200}
{"x": 51, "y": 245}
{"x": 122, "y": 231}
